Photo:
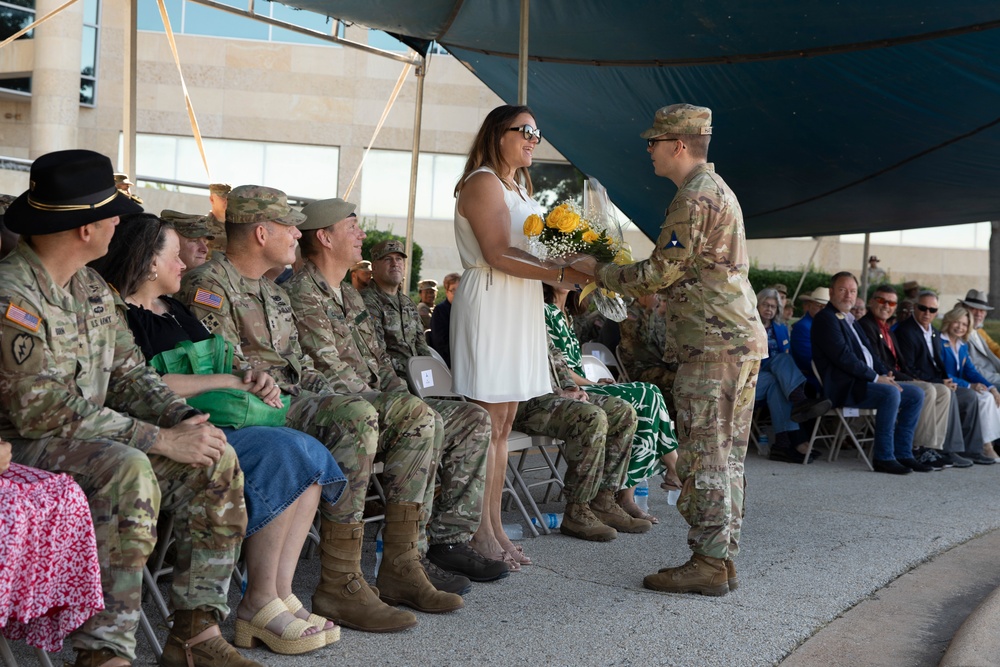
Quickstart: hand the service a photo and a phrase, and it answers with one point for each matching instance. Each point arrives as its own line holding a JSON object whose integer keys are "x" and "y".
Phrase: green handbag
{"x": 232, "y": 408}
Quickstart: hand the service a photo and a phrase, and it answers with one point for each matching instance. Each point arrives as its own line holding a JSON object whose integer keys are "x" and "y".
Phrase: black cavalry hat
{"x": 68, "y": 189}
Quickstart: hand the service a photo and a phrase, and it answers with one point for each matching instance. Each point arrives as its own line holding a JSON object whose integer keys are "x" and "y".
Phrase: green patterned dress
{"x": 655, "y": 435}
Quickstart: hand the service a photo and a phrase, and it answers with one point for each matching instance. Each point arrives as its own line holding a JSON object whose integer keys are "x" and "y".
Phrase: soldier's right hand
{"x": 194, "y": 441}
{"x": 5, "y": 454}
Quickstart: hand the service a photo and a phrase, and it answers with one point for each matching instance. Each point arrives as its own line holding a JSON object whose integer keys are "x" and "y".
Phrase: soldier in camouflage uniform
{"x": 597, "y": 431}
{"x": 642, "y": 355}
{"x": 396, "y": 319}
{"x": 195, "y": 234}
{"x": 78, "y": 398}
{"x": 336, "y": 331}
{"x": 232, "y": 298}
{"x": 428, "y": 292}
{"x": 700, "y": 259}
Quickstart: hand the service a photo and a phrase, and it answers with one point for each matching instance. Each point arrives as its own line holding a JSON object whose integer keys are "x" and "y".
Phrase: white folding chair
{"x": 602, "y": 352}
{"x": 595, "y": 370}
{"x": 856, "y": 424}
{"x": 429, "y": 377}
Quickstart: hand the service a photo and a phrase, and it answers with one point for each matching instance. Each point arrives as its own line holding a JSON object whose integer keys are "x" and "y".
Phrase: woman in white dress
{"x": 498, "y": 336}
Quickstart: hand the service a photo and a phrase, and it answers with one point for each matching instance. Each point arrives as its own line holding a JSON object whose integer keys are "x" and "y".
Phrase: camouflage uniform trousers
{"x": 464, "y": 433}
{"x": 357, "y": 433}
{"x": 597, "y": 436}
{"x": 714, "y": 407}
{"x": 126, "y": 489}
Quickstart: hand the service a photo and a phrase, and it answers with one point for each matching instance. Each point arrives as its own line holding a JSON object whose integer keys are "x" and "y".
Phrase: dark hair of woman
{"x": 573, "y": 305}
{"x": 138, "y": 239}
{"x": 485, "y": 150}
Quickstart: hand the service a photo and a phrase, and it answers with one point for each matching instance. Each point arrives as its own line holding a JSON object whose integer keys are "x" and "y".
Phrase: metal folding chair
{"x": 854, "y": 424}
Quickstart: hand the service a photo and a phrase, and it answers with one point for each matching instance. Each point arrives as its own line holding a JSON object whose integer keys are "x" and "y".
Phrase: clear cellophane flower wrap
{"x": 597, "y": 208}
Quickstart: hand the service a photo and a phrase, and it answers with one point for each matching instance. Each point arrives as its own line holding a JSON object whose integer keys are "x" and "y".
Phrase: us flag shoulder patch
{"x": 206, "y": 298}
{"x": 23, "y": 317}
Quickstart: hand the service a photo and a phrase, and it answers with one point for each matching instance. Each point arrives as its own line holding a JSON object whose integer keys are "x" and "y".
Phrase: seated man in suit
{"x": 980, "y": 350}
{"x": 853, "y": 377}
{"x": 921, "y": 352}
{"x": 932, "y": 428}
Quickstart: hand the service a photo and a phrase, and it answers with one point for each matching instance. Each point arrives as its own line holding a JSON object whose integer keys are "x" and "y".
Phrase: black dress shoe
{"x": 463, "y": 559}
{"x": 917, "y": 466}
{"x": 891, "y": 466}
{"x": 979, "y": 459}
{"x": 810, "y": 409}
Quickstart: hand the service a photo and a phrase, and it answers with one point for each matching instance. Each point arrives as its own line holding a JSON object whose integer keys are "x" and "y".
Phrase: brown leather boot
{"x": 343, "y": 596}
{"x": 701, "y": 574}
{"x": 734, "y": 583}
{"x": 611, "y": 514}
{"x": 579, "y": 521}
{"x": 401, "y": 578}
{"x": 195, "y": 641}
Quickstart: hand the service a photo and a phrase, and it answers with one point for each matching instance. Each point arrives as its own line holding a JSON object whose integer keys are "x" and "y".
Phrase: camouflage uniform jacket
{"x": 69, "y": 366}
{"x": 337, "y": 332}
{"x": 256, "y": 316}
{"x": 398, "y": 325}
{"x": 637, "y": 349}
{"x": 701, "y": 260}
{"x": 559, "y": 371}
{"x": 425, "y": 313}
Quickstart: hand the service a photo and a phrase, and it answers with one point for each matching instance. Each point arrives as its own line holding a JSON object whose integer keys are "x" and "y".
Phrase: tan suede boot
{"x": 195, "y": 641}
{"x": 343, "y": 596}
{"x": 734, "y": 583}
{"x": 401, "y": 578}
{"x": 611, "y": 514}
{"x": 701, "y": 574}
{"x": 579, "y": 521}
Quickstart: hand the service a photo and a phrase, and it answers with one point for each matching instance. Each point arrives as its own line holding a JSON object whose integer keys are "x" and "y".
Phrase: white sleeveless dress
{"x": 498, "y": 337}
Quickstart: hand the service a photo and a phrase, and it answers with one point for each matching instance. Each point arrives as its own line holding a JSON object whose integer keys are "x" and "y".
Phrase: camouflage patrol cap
{"x": 680, "y": 119}
{"x": 427, "y": 284}
{"x": 363, "y": 265}
{"x": 220, "y": 189}
{"x": 326, "y": 212}
{"x": 257, "y": 203}
{"x": 188, "y": 225}
{"x": 387, "y": 247}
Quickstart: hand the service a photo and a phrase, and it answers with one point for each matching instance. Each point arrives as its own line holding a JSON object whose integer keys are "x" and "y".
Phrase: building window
{"x": 385, "y": 184}
{"x": 297, "y": 169}
{"x": 89, "y": 52}
{"x": 14, "y": 15}
{"x": 190, "y": 18}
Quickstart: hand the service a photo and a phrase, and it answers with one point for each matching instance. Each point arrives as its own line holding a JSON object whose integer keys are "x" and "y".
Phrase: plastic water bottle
{"x": 378, "y": 551}
{"x": 672, "y": 496}
{"x": 642, "y": 496}
{"x": 763, "y": 445}
{"x": 552, "y": 520}
{"x": 514, "y": 530}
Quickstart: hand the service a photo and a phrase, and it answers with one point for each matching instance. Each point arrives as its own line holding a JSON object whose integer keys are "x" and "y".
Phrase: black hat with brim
{"x": 68, "y": 189}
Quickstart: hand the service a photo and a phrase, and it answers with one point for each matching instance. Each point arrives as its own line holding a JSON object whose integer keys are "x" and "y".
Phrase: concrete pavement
{"x": 818, "y": 540}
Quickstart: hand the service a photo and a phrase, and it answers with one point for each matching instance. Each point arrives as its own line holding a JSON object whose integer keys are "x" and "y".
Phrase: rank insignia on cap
{"x": 674, "y": 242}
{"x": 206, "y": 298}
{"x": 23, "y": 317}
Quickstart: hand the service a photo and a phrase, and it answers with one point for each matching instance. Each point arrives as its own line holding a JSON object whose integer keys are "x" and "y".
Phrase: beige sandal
{"x": 315, "y": 620}
{"x": 291, "y": 641}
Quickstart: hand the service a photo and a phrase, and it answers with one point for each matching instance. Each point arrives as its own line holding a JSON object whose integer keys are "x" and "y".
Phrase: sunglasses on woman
{"x": 528, "y": 132}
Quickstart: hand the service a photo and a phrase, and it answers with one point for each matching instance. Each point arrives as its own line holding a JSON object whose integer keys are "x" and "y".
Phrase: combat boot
{"x": 701, "y": 574}
{"x": 611, "y": 514}
{"x": 578, "y": 521}
{"x": 98, "y": 657}
{"x": 401, "y": 578}
{"x": 196, "y": 641}
{"x": 734, "y": 583}
{"x": 343, "y": 596}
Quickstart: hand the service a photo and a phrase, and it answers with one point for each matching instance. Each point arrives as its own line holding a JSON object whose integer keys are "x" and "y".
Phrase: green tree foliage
{"x": 376, "y": 236}
{"x": 554, "y": 183}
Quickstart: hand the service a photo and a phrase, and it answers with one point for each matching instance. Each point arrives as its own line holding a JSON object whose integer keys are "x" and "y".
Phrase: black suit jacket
{"x": 913, "y": 351}
{"x": 839, "y": 359}
{"x": 880, "y": 348}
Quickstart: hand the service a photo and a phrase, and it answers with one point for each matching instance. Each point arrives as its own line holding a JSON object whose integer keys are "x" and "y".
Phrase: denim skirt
{"x": 278, "y": 465}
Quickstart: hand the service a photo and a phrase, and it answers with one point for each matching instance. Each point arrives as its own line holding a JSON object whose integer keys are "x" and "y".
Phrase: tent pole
{"x": 522, "y": 56}
{"x": 129, "y": 110}
{"x": 863, "y": 289}
{"x": 805, "y": 269}
{"x": 414, "y": 161}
